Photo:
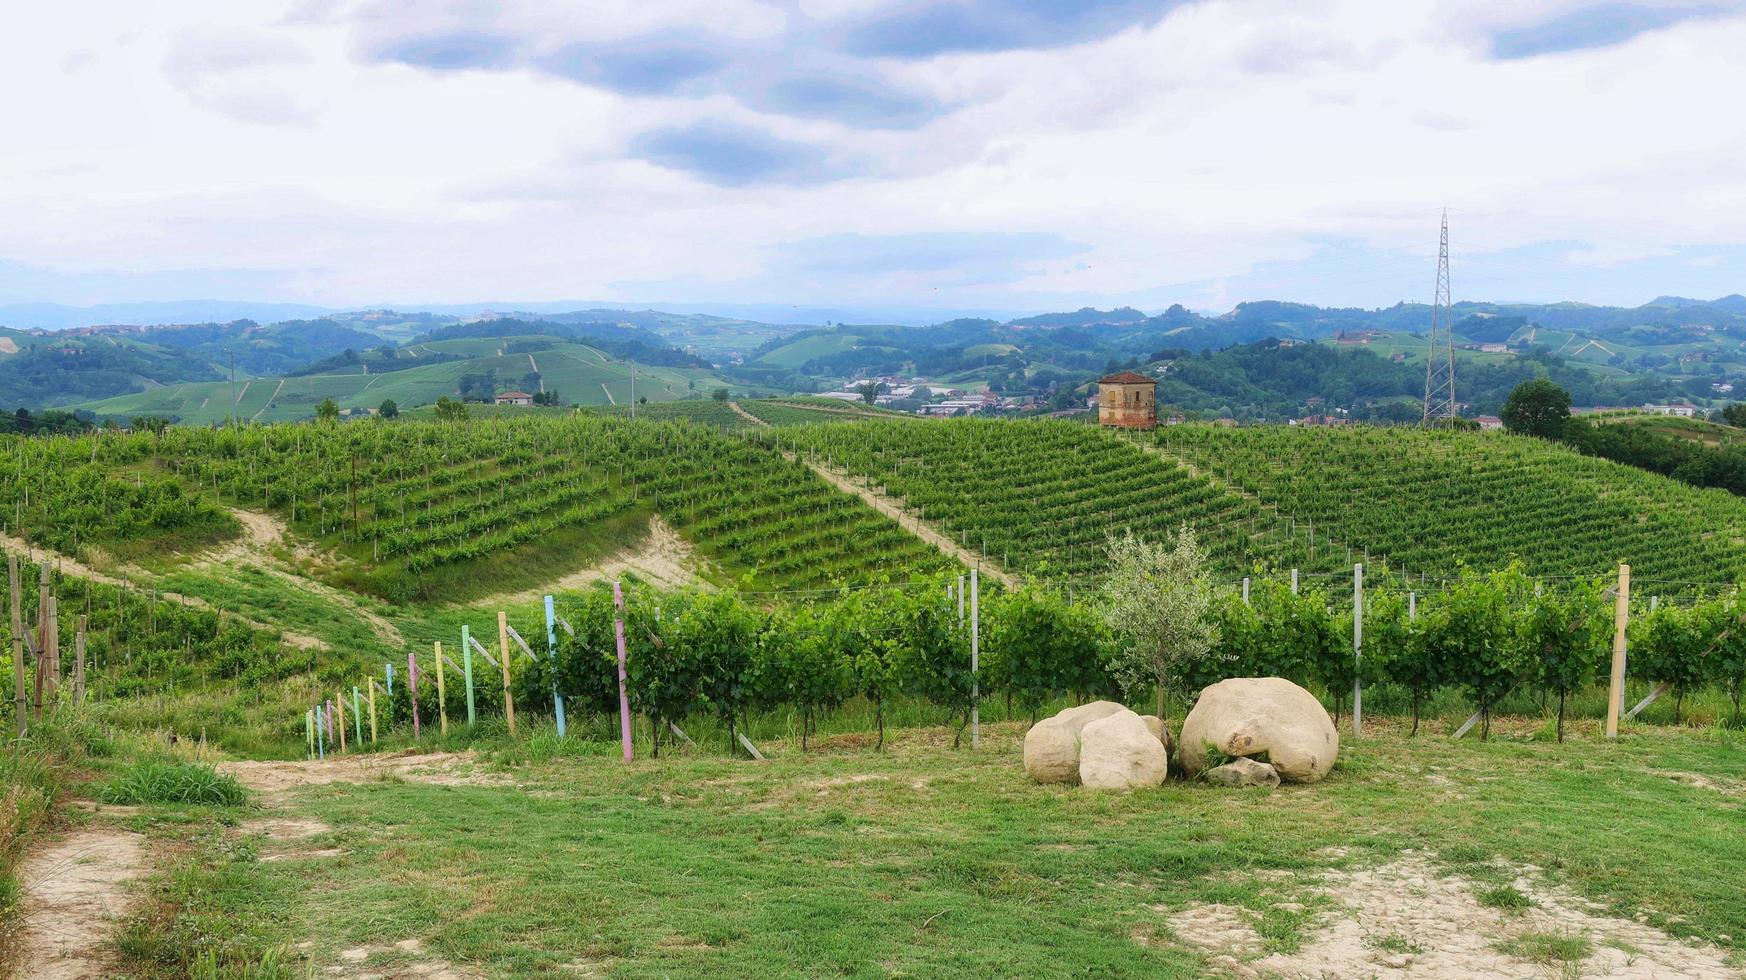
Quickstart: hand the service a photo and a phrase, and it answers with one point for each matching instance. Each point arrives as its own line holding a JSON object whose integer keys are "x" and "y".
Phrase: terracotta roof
{"x": 1127, "y": 378}
{"x": 515, "y": 394}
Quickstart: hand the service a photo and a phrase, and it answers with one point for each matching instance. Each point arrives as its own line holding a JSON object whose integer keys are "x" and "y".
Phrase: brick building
{"x": 1127, "y": 400}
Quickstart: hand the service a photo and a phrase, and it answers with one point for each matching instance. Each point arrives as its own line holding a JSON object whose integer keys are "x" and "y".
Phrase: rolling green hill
{"x": 581, "y": 375}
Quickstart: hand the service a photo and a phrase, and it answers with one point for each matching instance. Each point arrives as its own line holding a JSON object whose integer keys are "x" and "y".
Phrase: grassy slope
{"x": 923, "y": 861}
{"x": 794, "y": 354}
{"x": 581, "y": 374}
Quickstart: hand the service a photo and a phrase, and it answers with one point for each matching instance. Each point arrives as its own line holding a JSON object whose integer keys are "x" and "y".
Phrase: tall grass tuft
{"x": 169, "y": 781}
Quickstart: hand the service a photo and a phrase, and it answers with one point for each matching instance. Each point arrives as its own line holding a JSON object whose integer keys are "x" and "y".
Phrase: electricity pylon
{"x": 1440, "y": 347}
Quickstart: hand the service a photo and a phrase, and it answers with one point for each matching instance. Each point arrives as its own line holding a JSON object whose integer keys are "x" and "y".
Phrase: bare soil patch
{"x": 277, "y": 780}
{"x": 662, "y": 558}
{"x": 909, "y": 522}
{"x": 1408, "y": 918}
{"x": 355, "y": 963}
{"x": 74, "y": 891}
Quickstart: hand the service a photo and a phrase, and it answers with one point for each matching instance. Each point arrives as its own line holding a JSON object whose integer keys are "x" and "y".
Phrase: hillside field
{"x": 789, "y": 570}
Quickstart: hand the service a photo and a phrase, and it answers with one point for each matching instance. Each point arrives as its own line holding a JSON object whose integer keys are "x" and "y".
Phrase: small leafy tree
{"x": 1537, "y": 407}
{"x": 1158, "y": 602}
{"x": 390, "y": 409}
{"x": 1564, "y": 634}
{"x": 327, "y": 411}
{"x": 719, "y": 394}
{"x": 450, "y": 410}
{"x": 869, "y": 392}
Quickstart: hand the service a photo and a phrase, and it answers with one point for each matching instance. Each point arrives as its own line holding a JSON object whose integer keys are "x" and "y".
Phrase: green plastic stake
{"x": 357, "y": 717}
{"x": 467, "y": 669}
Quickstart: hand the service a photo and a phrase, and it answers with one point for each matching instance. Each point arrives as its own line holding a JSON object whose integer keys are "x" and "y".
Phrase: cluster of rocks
{"x": 1246, "y": 731}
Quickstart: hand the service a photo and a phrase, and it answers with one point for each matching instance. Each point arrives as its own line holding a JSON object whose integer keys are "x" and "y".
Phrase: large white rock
{"x": 1120, "y": 752}
{"x": 1252, "y": 716}
{"x": 1156, "y": 726}
{"x": 1241, "y": 773}
{"x": 1052, "y": 745}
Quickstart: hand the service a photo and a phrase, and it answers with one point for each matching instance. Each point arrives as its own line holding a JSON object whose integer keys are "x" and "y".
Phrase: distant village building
{"x": 1683, "y": 410}
{"x": 1489, "y": 422}
{"x": 1722, "y": 389}
{"x": 1127, "y": 400}
{"x": 1494, "y": 348}
{"x": 842, "y": 396}
{"x": 515, "y": 398}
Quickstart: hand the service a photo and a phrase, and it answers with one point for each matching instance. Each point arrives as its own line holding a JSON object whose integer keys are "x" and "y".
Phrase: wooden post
{"x": 975, "y": 659}
{"x": 467, "y": 670}
{"x": 1621, "y": 616}
{"x": 18, "y": 685}
{"x": 309, "y": 731}
{"x": 442, "y": 702}
{"x": 624, "y": 718}
{"x": 52, "y": 684}
{"x": 503, "y": 662}
{"x": 1357, "y": 650}
{"x": 79, "y": 664}
{"x": 552, "y": 659}
{"x": 370, "y": 689}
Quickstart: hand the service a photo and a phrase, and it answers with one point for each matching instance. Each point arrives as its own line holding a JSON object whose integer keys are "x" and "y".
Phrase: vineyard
{"x": 1433, "y": 501}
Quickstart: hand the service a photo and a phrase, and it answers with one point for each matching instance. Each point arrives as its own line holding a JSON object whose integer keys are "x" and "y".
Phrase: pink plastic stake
{"x": 329, "y": 715}
{"x": 412, "y": 691}
{"x": 624, "y": 719}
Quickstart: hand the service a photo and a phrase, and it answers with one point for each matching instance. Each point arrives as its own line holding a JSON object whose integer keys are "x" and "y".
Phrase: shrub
{"x": 166, "y": 781}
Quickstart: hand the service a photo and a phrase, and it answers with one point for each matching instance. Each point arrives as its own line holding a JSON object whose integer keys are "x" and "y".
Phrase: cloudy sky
{"x": 967, "y": 154}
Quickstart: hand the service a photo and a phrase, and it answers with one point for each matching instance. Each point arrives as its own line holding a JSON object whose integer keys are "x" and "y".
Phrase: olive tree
{"x": 1158, "y": 602}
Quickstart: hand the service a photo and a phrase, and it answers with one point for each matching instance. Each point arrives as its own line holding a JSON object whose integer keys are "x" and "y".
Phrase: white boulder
{"x": 1052, "y": 745}
{"x": 1254, "y": 716}
{"x": 1241, "y": 773}
{"x": 1120, "y": 752}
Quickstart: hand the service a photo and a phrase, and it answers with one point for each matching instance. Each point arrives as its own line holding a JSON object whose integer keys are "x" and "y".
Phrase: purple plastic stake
{"x": 412, "y": 691}
{"x": 624, "y": 719}
{"x": 329, "y": 713}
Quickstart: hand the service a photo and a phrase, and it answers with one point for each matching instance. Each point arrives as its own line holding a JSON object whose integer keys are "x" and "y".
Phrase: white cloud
{"x": 1217, "y": 146}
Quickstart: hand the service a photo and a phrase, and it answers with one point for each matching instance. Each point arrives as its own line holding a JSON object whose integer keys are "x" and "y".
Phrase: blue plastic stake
{"x": 467, "y": 668}
{"x": 552, "y": 661}
{"x": 320, "y": 734}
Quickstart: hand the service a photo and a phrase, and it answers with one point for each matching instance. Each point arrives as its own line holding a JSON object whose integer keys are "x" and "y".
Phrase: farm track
{"x": 909, "y": 522}
{"x": 68, "y": 565}
{"x": 74, "y": 891}
{"x": 748, "y": 416}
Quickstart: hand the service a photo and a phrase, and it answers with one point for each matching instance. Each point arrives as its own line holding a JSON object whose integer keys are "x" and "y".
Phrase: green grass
{"x": 1548, "y": 947}
{"x": 926, "y": 861}
{"x": 170, "y": 781}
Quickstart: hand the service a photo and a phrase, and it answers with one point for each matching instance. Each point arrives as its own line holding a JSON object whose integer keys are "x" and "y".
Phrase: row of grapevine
{"x": 1432, "y": 501}
{"x": 1486, "y": 636}
{"x": 1043, "y": 497}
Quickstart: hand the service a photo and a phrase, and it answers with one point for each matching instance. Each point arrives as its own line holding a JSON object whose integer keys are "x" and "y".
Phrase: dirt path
{"x": 270, "y": 399}
{"x": 662, "y": 558}
{"x": 264, "y": 532}
{"x": 277, "y": 781}
{"x": 748, "y": 416}
{"x": 914, "y": 525}
{"x": 609, "y": 399}
{"x": 73, "y": 893}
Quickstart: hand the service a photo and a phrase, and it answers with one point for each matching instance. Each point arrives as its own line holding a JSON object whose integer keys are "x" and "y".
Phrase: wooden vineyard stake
{"x": 52, "y": 628}
{"x": 552, "y": 655}
{"x": 357, "y": 719}
{"x": 339, "y": 700}
{"x": 79, "y": 664}
{"x": 624, "y": 719}
{"x": 503, "y": 652}
{"x": 23, "y": 702}
{"x": 370, "y": 685}
{"x": 1621, "y": 616}
{"x": 467, "y": 670}
{"x": 412, "y": 692}
{"x": 442, "y": 701}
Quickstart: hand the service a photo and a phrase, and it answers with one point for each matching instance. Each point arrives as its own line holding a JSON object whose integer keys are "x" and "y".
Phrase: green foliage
{"x": 1038, "y": 645}
{"x": 1565, "y": 635}
{"x": 450, "y": 410}
{"x": 327, "y": 411}
{"x": 1473, "y": 634}
{"x": 170, "y": 781}
{"x": 1157, "y": 600}
{"x": 390, "y": 409}
{"x": 1538, "y": 407}
{"x": 1670, "y": 645}
{"x": 715, "y": 638}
